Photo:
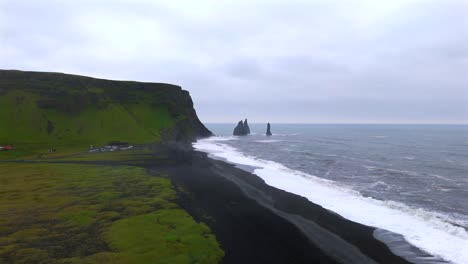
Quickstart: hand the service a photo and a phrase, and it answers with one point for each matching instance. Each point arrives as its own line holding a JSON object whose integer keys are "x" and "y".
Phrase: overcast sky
{"x": 398, "y": 61}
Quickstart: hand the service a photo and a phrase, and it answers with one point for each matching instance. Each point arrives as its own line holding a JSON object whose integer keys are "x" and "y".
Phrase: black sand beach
{"x": 256, "y": 223}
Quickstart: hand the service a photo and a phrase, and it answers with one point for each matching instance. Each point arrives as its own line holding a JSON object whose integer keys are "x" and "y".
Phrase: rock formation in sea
{"x": 246, "y": 127}
{"x": 268, "y": 132}
{"x": 242, "y": 129}
{"x": 239, "y": 129}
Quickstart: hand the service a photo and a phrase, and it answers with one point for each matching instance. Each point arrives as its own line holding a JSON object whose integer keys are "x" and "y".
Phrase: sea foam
{"x": 425, "y": 230}
{"x": 268, "y": 141}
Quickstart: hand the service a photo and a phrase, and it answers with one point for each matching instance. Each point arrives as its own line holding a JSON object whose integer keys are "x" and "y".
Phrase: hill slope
{"x": 56, "y": 108}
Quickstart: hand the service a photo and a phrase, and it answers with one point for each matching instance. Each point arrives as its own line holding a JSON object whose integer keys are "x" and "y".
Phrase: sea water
{"x": 408, "y": 179}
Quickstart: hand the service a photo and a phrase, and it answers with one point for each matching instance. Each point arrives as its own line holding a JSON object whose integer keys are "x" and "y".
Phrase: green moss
{"x": 166, "y": 236}
{"x": 107, "y": 196}
{"x": 108, "y": 216}
{"x": 30, "y": 255}
{"x": 24, "y": 235}
{"x": 78, "y": 215}
{"x": 69, "y": 213}
{"x": 102, "y": 257}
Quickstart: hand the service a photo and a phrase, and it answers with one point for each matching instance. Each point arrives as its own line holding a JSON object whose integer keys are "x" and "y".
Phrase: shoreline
{"x": 257, "y": 223}
{"x": 411, "y": 233}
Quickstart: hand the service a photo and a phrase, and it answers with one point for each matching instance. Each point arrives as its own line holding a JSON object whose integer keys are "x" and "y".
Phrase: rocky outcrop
{"x": 246, "y": 127}
{"x": 239, "y": 129}
{"x": 268, "y": 132}
{"x": 242, "y": 129}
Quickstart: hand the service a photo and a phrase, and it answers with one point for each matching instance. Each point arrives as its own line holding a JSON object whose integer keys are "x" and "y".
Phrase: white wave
{"x": 268, "y": 141}
{"x": 224, "y": 138}
{"x": 445, "y": 189}
{"x": 406, "y": 172}
{"x": 426, "y": 230}
{"x": 286, "y": 135}
{"x": 441, "y": 177}
{"x": 379, "y": 183}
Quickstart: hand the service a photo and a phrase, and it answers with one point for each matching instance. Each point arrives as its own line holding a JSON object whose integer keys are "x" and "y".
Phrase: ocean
{"x": 408, "y": 179}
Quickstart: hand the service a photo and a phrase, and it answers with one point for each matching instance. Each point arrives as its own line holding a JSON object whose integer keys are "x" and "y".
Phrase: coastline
{"x": 257, "y": 223}
{"x": 254, "y": 222}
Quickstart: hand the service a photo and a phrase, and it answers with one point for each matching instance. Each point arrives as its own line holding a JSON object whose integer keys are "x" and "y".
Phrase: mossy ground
{"x": 88, "y": 213}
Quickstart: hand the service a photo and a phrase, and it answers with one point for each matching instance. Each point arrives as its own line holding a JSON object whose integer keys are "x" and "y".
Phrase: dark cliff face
{"x": 64, "y": 108}
{"x": 189, "y": 128}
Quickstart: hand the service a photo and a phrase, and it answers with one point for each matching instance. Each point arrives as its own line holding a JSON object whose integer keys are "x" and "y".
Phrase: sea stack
{"x": 242, "y": 129}
{"x": 246, "y": 127}
{"x": 268, "y": 133}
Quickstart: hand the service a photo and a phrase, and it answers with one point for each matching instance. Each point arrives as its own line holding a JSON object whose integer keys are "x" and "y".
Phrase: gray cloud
{"x": 282, "y": 61}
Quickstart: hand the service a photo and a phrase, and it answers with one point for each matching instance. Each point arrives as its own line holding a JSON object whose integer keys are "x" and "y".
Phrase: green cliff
{"x": 63, "y": 109}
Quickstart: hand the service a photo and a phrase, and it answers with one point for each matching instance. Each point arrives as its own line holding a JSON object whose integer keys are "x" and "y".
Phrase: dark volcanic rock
{"x": 246, "y": 127}
{"x": 242, "y": 129}
{"x": 268, "y": 133}
{"x": 239, "y": 129}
